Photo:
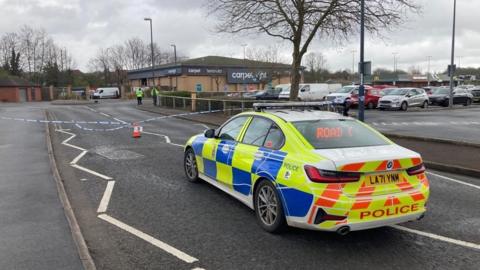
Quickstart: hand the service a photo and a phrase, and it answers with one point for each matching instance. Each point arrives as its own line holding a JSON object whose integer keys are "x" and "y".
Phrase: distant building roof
{"x": 219, "y": 61}
{"x": 13, "y": 81}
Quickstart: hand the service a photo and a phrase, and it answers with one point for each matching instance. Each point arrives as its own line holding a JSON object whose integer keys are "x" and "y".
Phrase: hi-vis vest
{"x": 154, "y": 92}
{"x": 139, "y": 92}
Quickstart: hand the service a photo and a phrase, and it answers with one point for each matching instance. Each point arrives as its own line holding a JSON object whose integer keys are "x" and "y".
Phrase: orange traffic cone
{"x": 136, "y": 131}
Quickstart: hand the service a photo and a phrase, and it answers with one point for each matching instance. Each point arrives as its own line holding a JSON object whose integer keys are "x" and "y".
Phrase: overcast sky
{"x": 83, "y": 26}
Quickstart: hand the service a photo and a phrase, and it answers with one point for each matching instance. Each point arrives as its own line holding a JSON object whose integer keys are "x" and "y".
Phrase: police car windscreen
{"x": 327, "y": 134}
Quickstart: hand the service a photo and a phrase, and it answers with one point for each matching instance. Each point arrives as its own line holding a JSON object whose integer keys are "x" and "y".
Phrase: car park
{"x": 404, "y": 98}
{"x": 310, "y": 169}
{"x": 441, "y": 97}
{"x": 106, "y": 92}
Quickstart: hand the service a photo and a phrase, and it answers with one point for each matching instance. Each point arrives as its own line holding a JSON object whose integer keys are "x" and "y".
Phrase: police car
{"x": 312, "y": 169}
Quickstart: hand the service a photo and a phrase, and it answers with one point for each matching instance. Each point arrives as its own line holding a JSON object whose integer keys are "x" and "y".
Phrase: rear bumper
{"x": 389, "y": 105}
{"x": 357, "y": 226}
{"x": 332, "y": 209}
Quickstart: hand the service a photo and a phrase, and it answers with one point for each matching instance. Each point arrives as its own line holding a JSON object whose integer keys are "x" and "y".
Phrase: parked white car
{"x": 403, "y": 98}
{"x": 106, "y": 92}
{"x": 341, "y": 94}
{"x": 285, "y": 91}
{"x": 313, "y": 91}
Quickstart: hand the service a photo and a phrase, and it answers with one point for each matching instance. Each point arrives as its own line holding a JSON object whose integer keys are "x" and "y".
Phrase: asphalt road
{"x": 459, "y": 124}
{"x": 152, "y": 204}
{"x": 34, "y": 233}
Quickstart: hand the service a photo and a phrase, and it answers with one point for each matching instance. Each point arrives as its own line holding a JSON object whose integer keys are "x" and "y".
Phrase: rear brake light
{"x": 416, "y": 170}
{"x": 323, "y": 176}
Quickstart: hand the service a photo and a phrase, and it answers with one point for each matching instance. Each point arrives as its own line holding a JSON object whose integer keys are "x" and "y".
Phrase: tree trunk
{"x": 295, "y": 76}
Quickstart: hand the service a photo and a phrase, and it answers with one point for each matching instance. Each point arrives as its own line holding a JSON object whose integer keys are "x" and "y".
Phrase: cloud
{"x": 84, "y": 26}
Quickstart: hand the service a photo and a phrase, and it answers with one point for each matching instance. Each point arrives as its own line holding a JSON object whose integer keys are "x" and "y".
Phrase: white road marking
{"x": 164, "y": 246}
{"x": 198, "y": 268}
{"x": 462, "y": 123}
{"x": 104, "y": 114}
{"x": 203, "y": 125}
{"x": 91, "y": 172}
{"x": 93, "y": 110}
{"x": 75, "y": 160}
{"x": 102, "y": 207}
{"x": 167, "y": 139}
{"x": 454, "y": 180}
{"x": 83, "y": 179}
{"x": 438, "y": 237}
{"x": 121, "y": 121}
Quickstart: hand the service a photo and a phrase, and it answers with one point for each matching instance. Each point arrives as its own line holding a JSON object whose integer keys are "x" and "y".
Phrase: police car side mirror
{"x": 209, "y": 133}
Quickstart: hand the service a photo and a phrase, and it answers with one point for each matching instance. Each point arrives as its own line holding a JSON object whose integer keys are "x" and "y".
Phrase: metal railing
{"x": 228, "y": 106}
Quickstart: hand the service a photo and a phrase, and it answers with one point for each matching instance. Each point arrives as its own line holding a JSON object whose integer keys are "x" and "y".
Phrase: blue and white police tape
{"x": 63, "y": 122}
{"x": 120, "y": 124}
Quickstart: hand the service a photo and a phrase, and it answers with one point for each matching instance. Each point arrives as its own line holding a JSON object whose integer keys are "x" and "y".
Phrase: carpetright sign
{"x": 248, "y": 76}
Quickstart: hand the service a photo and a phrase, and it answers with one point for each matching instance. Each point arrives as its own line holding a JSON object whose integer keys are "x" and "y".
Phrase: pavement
{"x": 439, "y": 154}
{"x": 137, "y": 211}
{"x": 34, "y": 231}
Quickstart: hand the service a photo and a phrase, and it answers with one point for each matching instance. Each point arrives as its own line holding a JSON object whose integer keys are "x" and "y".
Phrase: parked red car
{"x": 372, "y": 95}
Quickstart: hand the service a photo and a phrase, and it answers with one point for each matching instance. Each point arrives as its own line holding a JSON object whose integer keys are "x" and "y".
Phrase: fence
{"x": 228, "y": 106}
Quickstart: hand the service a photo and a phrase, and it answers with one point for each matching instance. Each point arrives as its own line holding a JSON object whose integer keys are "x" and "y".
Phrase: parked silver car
{"x": 403, "y": 98}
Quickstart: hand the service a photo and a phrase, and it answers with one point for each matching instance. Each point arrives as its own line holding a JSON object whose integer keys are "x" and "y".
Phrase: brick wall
{"x": 8, "y": 94}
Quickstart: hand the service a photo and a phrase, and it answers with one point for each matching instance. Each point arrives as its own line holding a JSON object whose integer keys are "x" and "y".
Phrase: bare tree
{"x": 268, "y": 54}
{"x": 8, "y": 42}
{"x": 315, "y": 62}
{"x": 299, "y": 21}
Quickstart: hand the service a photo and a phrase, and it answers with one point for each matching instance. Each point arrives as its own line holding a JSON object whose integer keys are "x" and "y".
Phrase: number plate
{"x": 383, "y": 179}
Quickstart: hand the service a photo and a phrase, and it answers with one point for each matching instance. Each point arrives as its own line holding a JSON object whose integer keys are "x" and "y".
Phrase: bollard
{"x": 184, "y": 103}
{"x": 224, "y": 105}
{"x": 209, "y": 105}
{"x": 173, "y": 102}
{"x": 243, "y": 106}
{"x": 194, "y": 102}
{"x": 50, "y": 90}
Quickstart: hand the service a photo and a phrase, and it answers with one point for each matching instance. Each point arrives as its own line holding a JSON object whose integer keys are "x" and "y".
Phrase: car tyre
{"x": 269, "y": 207}
{"x": 190, "y": 166}
{"x": 370, "y": 106}
{"x": 468, "y": 102}
{"x": 404, "y": 106}
{"x": 425, "y": 105}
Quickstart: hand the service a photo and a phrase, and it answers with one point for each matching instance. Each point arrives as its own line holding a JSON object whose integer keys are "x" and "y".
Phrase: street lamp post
{"x": 361, "y": 90}
{"x": 395, "y": 67}
{"x": 175, "y": 59}
{"x": 428, "y": 69}
{"x": 244, "y": 46}
{"x": 451, "y": 70}
{"x": 151, "y": 48}
{"x": 353, "y": 64}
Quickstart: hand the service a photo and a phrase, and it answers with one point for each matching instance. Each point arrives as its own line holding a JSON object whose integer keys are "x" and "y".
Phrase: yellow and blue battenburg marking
{"x": 324, "y": 206}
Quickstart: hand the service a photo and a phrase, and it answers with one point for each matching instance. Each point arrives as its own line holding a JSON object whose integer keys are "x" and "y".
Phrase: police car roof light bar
{"x": 314, "y": 105}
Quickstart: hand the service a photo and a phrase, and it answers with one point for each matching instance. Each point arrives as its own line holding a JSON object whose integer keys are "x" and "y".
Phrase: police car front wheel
{"x": 190, "y": 166}
{"x": 269, "y": 208}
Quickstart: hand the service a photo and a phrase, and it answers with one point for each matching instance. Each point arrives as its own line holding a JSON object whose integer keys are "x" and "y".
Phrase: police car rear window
{"x": 327, "y": 134}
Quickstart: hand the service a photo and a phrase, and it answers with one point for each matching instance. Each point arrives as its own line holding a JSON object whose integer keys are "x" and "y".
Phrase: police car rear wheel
{"x": 268, "y": 208}
{"x": 190, "y": 166}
